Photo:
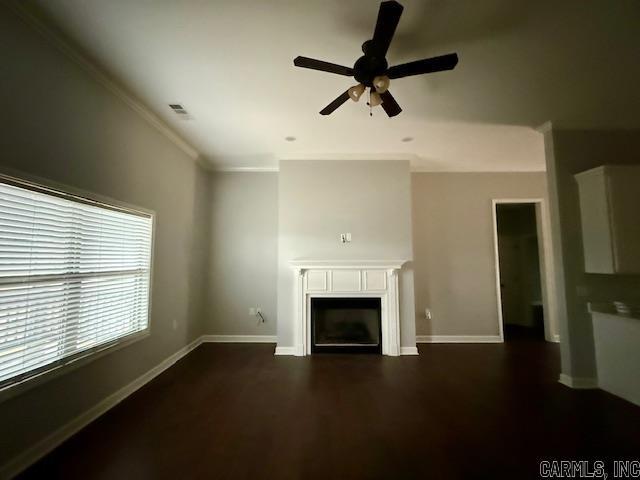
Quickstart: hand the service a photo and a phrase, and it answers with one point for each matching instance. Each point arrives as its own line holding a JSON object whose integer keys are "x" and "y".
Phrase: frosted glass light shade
{"x": 381, "y": 83}
{"x": 375, "y": 99}
{"x": 356, "y": 92}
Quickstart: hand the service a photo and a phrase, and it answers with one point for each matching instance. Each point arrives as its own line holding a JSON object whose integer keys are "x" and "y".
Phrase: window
{"x": 74, "y": 277}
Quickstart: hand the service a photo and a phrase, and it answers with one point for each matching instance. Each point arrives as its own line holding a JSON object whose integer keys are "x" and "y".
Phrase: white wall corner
{"x": 579, "y": 383}
{"x": 458, "y": 339}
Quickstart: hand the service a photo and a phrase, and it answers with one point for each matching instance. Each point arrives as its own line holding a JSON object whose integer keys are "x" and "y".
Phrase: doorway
{"x": 522, "y": 281}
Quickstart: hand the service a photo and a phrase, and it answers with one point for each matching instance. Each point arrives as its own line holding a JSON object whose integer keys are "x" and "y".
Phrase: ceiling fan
{"x": 372, "y": 70}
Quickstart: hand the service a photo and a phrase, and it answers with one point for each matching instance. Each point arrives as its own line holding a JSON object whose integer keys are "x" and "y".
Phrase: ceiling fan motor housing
{"x": 369, "y": 67}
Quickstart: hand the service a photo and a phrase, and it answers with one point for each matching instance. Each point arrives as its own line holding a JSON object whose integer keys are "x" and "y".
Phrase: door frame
{"x": 547, "y": 274}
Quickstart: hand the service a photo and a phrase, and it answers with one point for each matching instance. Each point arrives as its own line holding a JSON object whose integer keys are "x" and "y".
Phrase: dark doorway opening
{"x": 520, "y": 277}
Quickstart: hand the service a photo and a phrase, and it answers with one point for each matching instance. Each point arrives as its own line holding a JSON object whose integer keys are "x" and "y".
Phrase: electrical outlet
{"x": 427, "y": 313}
{"x": 258, "y": 310}
{"x": 252, "y": 311}
{"x": 345, "y": 237}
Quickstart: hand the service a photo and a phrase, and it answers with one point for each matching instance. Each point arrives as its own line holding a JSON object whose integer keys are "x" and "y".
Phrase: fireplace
{"x": 340, "y": 325}
{"x": 375, "y": 282}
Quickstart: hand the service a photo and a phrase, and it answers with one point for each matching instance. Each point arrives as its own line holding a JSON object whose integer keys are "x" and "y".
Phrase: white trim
{"x": 239, "y": 339}
{"x": 409, "y": 351}
{"x": 496, "y": 263}
{"x": 245, "y": 169}
{"x": 72, "y": 52}
{"x": 389, "y": 298}
{"x": 47, "y": 444}
{"x": 556, "y": 338}
{"x": 578, "y": 383}
{"x": 412, "y": 169}
{"x": 458, "y": 339}
{"x": 347, "y": 264}
{"x": 340, "y": 157}
{"x": 547, "y": 274}
{"x": 428, "y": 169}
{"x": 285, "y": 351}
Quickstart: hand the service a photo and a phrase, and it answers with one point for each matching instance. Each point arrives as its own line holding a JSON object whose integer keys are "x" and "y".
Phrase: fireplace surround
{"x": 347, "y": 279}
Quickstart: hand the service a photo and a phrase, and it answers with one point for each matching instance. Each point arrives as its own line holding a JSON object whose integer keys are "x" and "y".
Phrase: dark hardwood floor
{"x": 456, "y": 411}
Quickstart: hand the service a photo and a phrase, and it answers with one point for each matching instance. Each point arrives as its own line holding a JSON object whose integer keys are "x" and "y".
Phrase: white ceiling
{"x": 230, "y": 64}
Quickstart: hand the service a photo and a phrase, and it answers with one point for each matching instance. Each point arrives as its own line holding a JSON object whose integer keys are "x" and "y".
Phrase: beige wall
{"x": 569, "y": 152}
{"x": 244, "y": 251}
{"x": 319, "y": 200}
{"x": 59, "y": 124}
{"x": 454, "y": 259}
{"x": 452, "y": 239}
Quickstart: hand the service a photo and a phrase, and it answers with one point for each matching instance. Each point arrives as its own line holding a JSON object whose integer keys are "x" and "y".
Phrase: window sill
{"x": 23, "y": 386}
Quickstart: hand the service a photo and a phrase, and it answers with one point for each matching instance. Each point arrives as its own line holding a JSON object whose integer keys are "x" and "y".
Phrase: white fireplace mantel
{"x": 347, "y": 278}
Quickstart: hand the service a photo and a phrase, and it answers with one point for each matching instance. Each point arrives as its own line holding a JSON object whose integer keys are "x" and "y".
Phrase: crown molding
{"x": 245, "y": 169}
{"x": 342, "y": 157}
{"x": 64, "y": 46}
{"x": 423, "y": 169}
{"x": 417, "y": 169}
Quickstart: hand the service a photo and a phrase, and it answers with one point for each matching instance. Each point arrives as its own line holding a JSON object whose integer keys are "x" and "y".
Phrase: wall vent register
{"x": 180, "y": 110}
{"x": 74, "y": 278}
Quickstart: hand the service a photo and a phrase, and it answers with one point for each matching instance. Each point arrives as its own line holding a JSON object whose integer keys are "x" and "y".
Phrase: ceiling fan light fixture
{"x": 356, "y": 92}
{"x": 375, "y": 99}
{"x": 381, "y": 83}
{"x": 372, "y": 70}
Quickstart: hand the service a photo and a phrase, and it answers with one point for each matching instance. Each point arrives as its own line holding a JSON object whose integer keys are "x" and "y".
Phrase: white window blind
{"x": 74, "y": 277}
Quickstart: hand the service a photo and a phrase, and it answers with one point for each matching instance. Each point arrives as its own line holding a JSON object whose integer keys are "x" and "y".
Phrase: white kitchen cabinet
{"x": 610, "y": 215}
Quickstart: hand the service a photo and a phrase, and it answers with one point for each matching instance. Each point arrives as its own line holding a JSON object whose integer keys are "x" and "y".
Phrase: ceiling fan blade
{"x": 428, "y": 65}
{"x": 329, "y": 109}
{"x": 389, "y": 104}
{"x": 388, "y": 18}
{"x": 314, "y": 64}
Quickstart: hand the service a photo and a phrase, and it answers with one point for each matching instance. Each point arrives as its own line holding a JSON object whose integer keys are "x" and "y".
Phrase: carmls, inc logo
{"x": 587, "y": 469}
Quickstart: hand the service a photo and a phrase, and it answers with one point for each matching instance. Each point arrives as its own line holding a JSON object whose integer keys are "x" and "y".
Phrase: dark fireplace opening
{"x": 340, "y": 325}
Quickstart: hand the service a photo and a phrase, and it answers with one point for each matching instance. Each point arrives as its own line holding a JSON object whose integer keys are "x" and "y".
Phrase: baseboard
{"x": 239, "y": 339}
{"x": 582, "y": 383}
{"x": 285, "y": 351}
{"x": 409, "y": 351}
{"x": 46, "y": 445}
{"x": 458, "y": 339}
{"x": 293, "y": 351}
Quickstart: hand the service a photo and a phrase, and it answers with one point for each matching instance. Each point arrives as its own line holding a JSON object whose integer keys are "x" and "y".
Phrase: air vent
{"x": 180, "y": 110}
